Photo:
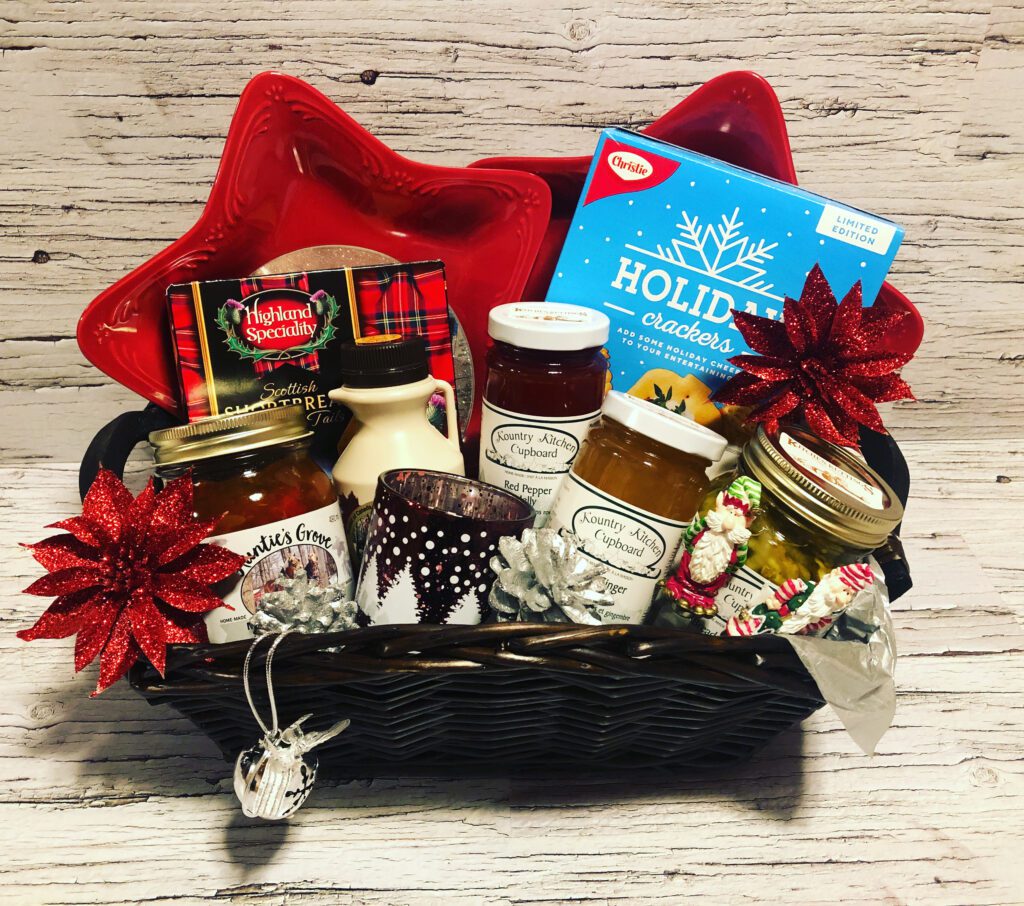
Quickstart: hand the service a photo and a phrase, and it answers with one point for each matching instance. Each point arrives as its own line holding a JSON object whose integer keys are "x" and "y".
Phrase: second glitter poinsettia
{"x": 823, "y": 361}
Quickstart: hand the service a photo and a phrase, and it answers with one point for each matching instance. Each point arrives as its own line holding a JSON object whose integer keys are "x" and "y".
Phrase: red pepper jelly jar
{"x": 546, "y": 377}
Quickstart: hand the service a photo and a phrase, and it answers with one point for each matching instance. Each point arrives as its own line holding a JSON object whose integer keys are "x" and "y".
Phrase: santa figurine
{"x": 830, "y": 597}
{"x": 797, "y": 607}
{"x": 714, "y": 547}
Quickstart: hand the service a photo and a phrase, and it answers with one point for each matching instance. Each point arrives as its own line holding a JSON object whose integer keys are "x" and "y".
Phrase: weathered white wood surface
{"x": 113, "y": 116}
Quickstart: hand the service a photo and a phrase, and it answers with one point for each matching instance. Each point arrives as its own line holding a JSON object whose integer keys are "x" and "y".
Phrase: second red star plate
{"x": 296, "y": 172}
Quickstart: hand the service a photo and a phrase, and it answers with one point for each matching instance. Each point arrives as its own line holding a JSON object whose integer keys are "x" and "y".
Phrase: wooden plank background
{"x": 113, "y": 117}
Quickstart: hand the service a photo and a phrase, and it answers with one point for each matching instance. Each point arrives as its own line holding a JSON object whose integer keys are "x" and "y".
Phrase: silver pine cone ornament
{"x": 303, "y": 606}
{"x": 544, "y": 578}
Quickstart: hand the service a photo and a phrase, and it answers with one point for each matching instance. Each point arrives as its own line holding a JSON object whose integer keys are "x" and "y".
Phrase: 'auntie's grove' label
{"x": 312, "y": 545}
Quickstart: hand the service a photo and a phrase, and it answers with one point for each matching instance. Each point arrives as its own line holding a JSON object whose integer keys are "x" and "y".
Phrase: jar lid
{"x": 223, "y": 434}
{"x": 827, "y": 485}
{"x": 652, "y": 421}
{"x": 383, "y": 361}
{"x": 548, "y": 325}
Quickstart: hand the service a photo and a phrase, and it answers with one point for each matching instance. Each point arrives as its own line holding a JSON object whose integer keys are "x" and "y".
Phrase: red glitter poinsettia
{"x": 822, "y": 361}
{"x": 131, "y": 576}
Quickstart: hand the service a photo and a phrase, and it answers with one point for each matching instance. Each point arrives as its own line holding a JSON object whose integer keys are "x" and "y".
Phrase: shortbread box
{"x": 263, "y": 342}
{"x": 667, "y": 242}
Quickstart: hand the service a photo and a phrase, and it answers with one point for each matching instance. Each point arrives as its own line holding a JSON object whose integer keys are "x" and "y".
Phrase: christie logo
{"x": 629, "y": 166}
{"x": 277, "y": 325}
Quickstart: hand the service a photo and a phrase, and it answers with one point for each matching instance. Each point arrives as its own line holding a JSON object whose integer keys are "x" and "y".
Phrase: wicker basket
{"x": 457, "y": 700}
{"x": 504, "y": 697}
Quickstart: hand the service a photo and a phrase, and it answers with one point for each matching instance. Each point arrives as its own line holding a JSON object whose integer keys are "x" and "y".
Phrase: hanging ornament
{"x": 131, "y": 576}
{"x": 544, "y": 578}
{"x": 824, "y": 360}
{"x": 273, "y": 778}
{"x": 303, "y": 606}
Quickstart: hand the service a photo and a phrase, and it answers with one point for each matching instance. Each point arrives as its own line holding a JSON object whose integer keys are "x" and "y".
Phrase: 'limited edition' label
{"x": 635, "y": 547}
{"x": 527, "y": 455}
{"x": 312, "y": 545}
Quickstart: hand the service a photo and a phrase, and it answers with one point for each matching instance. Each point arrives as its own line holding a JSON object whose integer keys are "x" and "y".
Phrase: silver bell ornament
{"x": 275, "y": 777}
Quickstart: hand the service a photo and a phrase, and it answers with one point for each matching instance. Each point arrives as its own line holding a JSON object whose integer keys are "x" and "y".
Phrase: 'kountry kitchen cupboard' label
{"x": 528, "y": 454}
{"x": 636, "y": 547}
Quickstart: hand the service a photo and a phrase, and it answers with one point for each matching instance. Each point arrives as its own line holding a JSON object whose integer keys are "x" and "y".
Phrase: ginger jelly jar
{"x": 630, "y": 494}
{"x": 821, "y": 507}
{"x": 274, "y": 505}
{"x": 546, "y": 378}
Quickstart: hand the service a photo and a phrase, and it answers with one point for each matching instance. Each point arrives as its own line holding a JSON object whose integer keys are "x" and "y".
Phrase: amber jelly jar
{"x": 630, "y": 494}
{"x": 253, "y": 473}
{"x": 546, "y": 378}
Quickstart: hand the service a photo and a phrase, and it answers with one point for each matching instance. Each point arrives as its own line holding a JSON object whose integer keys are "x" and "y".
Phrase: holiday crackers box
{"x": 667, "y": 242}
{"x": 259, "y": 342}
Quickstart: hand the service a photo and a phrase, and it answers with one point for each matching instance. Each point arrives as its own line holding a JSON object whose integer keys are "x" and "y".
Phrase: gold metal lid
{"x": 825, "y": 485}
{"x": 224, "y": 434}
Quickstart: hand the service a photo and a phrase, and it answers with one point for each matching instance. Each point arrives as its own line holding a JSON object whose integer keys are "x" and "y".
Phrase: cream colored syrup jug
{"x": 387, "y": 385}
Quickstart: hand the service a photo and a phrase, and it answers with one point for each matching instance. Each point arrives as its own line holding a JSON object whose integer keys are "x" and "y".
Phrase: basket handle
{"x": 114, "y": 442}
{"x": 885, "y": 457}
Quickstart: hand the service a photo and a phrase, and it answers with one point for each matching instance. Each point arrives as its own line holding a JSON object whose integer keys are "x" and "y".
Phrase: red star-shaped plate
{"x": 297, "y": 172}
{"x": 735, "y": 117}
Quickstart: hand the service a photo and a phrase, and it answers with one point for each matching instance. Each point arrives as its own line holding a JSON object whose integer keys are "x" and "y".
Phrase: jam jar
{"x": 274, "y": 505}
{"x": 630, "y": 494}
{"x": 821, "y": 507}
{"x": 546, "y": 378}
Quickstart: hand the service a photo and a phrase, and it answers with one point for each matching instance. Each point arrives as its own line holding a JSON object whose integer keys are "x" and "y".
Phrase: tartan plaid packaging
{"x": 260, "y": 342}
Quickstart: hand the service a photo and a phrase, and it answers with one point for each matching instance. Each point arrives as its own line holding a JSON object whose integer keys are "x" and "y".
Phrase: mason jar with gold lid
{"x": 821, "y": 507}
{"x": 252, "y": 472}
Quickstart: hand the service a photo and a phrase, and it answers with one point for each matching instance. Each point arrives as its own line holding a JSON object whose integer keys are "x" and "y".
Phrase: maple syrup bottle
{"x": 546, "y": 378}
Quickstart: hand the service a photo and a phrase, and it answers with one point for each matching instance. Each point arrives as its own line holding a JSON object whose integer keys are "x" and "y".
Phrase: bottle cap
{"x": 383, "y": 364}
{"x": 652, "y": 421}
{"x": 548, "y": 325}
{"x": 220, "y": 435}
{"x": 827, "y": 486}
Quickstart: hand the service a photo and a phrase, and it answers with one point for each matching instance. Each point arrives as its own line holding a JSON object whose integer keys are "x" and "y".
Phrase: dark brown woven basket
{"x": 503, "y": 697}
{"x": 499, "y": 698}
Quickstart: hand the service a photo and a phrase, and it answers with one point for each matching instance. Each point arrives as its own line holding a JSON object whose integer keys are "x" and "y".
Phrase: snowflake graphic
{"x": 720, "y": 251}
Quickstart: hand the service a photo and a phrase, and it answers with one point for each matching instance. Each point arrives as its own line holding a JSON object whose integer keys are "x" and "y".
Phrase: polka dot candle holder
{"x": 430, "y": 539}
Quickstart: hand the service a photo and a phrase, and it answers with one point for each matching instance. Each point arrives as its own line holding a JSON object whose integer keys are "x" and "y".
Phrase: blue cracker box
{"x": 666, "y": 242}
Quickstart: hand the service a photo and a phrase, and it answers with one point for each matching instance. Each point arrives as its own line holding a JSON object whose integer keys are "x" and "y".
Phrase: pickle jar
{"x": 546, "y": 379}
{"x": 821, "y": 507}
{"x": 273, "y": 504}
{"x": 630, "y": 494}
